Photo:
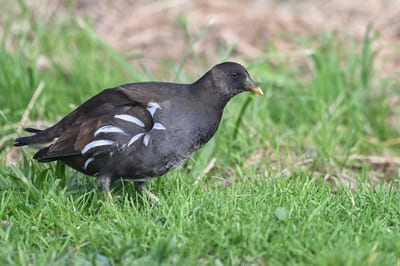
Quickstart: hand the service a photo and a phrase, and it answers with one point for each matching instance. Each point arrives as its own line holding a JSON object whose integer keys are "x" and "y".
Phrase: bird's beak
{"x": 252, "y": 86}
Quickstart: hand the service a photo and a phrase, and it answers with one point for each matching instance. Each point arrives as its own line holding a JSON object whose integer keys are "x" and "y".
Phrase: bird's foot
{"x": 141, "y": 188}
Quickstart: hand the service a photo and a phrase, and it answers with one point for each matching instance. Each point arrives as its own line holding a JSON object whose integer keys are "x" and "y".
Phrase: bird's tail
{"x": 40, "y": 137}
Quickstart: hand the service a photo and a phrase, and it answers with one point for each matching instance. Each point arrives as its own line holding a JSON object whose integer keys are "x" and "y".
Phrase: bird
{"x": 140, "y": 131}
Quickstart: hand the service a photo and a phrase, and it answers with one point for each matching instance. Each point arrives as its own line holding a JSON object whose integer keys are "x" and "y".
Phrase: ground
{"x": 142, "y": 29}
{"x": 306, "y": 175}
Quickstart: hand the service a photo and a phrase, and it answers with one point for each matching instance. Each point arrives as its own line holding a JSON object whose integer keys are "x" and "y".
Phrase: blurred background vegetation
{"x": 330, "y": 71}
{"x": 328, "y": 125}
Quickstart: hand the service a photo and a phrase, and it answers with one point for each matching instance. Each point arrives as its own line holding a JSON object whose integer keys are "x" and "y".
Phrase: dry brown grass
{"x": 151, "y": 30}
{"x": 342, "y": 171}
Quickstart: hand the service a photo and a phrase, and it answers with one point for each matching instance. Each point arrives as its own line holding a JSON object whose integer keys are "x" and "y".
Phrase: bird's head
{"x": 232, "y": 78}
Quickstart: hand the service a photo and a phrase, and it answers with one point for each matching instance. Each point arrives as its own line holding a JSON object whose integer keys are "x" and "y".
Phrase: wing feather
{"x": 79, "y": 132}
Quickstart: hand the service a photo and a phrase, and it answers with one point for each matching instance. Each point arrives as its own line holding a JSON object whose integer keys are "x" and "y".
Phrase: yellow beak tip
{"x": 258, "y": 91}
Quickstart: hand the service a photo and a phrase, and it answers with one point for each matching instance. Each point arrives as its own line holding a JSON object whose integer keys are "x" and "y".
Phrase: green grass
{"x": 278, "y": 221}
{"x": 271, "y": 209}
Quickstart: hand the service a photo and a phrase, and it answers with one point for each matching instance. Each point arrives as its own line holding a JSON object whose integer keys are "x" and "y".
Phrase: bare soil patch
{"x": 162, "y": 29}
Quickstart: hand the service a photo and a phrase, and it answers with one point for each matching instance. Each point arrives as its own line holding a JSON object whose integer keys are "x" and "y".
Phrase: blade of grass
{"x": 117, "y": 56}
{"x": 189, "y": 50}
{"x": 238, "y": 122}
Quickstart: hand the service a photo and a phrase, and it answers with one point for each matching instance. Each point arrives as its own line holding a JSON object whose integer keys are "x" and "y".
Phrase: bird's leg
{"x": 105, "y": 183}
{"x": 140, "y": 187}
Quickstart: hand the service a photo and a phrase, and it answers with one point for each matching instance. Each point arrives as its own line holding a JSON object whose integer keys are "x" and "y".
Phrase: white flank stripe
{"x": 96, "y": 143}
{"x": 130, "y": 118}
{"x": 152, "y": 108}
{"x": 88, "y": 161}
{"x": 158, "y": 126}
{"x": 146, "y": 139}
{"x": 108, "y": 129}
{"x": 135, "y": 138}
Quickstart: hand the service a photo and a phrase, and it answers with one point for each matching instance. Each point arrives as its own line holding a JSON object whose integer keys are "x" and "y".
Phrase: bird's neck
{"x": 205, "y": 91}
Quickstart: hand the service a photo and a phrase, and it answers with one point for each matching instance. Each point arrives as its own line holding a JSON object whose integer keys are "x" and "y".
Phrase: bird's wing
{"x": 107, "y": 122}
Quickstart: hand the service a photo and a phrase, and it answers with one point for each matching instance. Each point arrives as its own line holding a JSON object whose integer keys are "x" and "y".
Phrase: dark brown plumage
{"x": 140, "y": 131}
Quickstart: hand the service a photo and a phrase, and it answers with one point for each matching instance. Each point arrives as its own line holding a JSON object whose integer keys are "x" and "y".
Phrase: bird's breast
{"x": 187, "y": 129}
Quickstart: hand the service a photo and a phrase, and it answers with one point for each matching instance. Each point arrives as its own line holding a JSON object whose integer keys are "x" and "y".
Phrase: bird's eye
{"x": 234, "y": 75}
